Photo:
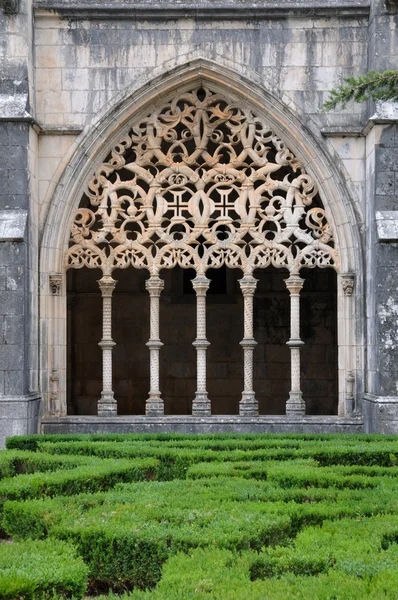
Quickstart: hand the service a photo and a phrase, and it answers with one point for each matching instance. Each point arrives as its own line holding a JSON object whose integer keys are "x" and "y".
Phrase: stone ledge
{"x": 380, "y": 414}
{"x": 212, "y": 424}
{"x": 19, "y": 415}
{"x": 381, "y": 399}
{"x": 13, "y": 226}
{"x": 342, "y": 131}
{"x": 387, "y": 226}
{"x": 203, "y": 9}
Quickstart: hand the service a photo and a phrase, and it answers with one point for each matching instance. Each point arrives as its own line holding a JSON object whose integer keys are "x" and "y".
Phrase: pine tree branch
{"x": 373, "y": 85}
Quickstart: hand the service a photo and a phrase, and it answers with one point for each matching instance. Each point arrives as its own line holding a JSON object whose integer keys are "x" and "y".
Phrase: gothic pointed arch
{"x": 201, "y": 181}
{"x": 199, "y": 167}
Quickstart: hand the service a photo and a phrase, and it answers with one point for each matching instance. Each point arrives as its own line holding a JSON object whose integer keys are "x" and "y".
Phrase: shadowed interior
{"x": 224, "y": 332}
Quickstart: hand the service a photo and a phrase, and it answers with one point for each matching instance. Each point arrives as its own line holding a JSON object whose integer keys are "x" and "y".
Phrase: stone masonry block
{"x": 12, "y": 303}
{"x": 12, "y": 253}
{"x": 389, "y": 137}
{"x": 385, "y": 183}
{"x": 3, "y": 278}
{"x": 14, "y": 382}
{"x": 11, "y": 357}
{"x": 15, "y": 278}
{"x": 18, "y": 181}
{"x": 386, "y": 159}
{"x": 13, "y": 329}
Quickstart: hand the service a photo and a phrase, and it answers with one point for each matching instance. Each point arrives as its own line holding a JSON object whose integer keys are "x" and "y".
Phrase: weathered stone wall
{"x": 63, "y": 67}
{"x": 380, "y": 406}
{"x": 19, "y": 228}
{"x": 83, "y": 64}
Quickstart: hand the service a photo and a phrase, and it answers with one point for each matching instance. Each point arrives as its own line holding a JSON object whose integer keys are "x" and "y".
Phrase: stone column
{"x": 248, "y": 405}
{"x": 201, "y": 405}
{"x": 347, "y": 362}
{"x": 107, "y": 405}
{"x": 154, "y": 405}
{"x": 295, "y": 405}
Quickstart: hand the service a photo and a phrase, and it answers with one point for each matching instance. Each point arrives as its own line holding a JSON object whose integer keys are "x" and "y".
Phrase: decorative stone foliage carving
{"x": 348, "y": 284}
{"x": 201, "y": 182}
{"x": 55, "y": 283}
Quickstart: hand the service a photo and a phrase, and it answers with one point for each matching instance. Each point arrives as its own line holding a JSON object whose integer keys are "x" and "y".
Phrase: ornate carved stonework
{"x": 201, "y": 182}
{"x": 55, "y": 283}
{"x": 391, "y": 6}
{"x": 54, "y": 391}
{"x": 10, "y": 7}
{"x": 348, "y": 284}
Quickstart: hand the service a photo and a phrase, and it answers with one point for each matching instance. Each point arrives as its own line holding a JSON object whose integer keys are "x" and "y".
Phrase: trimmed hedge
{"x": 263, "y": 516}
{"x": 175, "y": 460}
{"x": 126, "y": 534}
{"x": 219, "y": 574}
{"x": 94, "y": 476}
{"x": 30, "y": 442}
{"x": 41, "y": 569}
{"x": 19, "y": 462}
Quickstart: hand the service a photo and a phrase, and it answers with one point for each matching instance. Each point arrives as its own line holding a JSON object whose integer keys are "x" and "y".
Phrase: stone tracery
{"x": 199, "y": 183}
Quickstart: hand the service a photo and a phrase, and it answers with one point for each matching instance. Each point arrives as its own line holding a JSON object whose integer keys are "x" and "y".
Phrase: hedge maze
{"x": 223, "y": 517}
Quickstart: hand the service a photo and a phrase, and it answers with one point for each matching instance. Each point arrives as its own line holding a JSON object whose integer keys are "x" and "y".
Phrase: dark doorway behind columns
{"x": 130, "y": 331}
{"x": 225, "y": 331}
{"x": 318, "y": 325}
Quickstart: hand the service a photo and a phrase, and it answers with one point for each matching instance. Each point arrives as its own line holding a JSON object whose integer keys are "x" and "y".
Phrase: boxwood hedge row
{"x": 41, "y": 570}
{"x": 218, "y": 516}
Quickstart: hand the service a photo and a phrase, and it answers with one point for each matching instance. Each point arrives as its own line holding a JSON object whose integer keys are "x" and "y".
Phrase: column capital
{"x": 294, "y": 284}
{"x": 154, "y": 285}
{"x": 201, "y": 284}
{"x": 248, "y": 285}
{"x": 55, "y": 280}
{"x": 107, "y": 285}
{"x": 347, "y": 282}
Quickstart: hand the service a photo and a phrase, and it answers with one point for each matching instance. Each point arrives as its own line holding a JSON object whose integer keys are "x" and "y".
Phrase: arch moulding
{"x": 104, "y": 132}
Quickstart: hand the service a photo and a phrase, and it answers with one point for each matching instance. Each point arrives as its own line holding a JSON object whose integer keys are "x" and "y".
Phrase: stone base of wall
{"x": 19, "y": 415}
{"x": 380, "y": 414}
{"x": 213, "y": 424}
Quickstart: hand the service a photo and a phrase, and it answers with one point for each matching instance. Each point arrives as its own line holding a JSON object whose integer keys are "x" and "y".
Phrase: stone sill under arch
{"x": 202, "y": 425}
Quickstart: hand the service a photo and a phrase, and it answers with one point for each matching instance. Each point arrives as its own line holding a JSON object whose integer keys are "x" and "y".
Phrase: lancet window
{"x": 201, "y": 182}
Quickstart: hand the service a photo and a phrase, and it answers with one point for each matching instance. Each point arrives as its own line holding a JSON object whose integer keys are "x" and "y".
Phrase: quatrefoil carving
{"x": 201, "y": 182}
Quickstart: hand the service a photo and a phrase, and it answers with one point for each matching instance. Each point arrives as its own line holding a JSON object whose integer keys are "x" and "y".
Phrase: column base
{"x": 248, "y": 406}
{"x": 295, "y": 406}
{"x": 154, "y": 406}
{"x": 107, "y": 405}
{"x": 201, "y": 406}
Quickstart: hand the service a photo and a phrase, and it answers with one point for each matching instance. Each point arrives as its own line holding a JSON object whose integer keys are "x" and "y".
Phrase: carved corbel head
{"x": 55, "y": 280}
{"x": 347, "y": 282}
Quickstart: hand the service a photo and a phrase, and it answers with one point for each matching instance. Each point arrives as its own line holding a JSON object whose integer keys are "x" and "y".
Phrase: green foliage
{"x": 41, "y": 569}
{"x": 93, "y": 476}
{"x": 373, "y": 85}
{"x": 216, "y": 517}
{"x": 217, "y": 574}
{"x": 177, "y": 440}
{"x": 23, "y": 462}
